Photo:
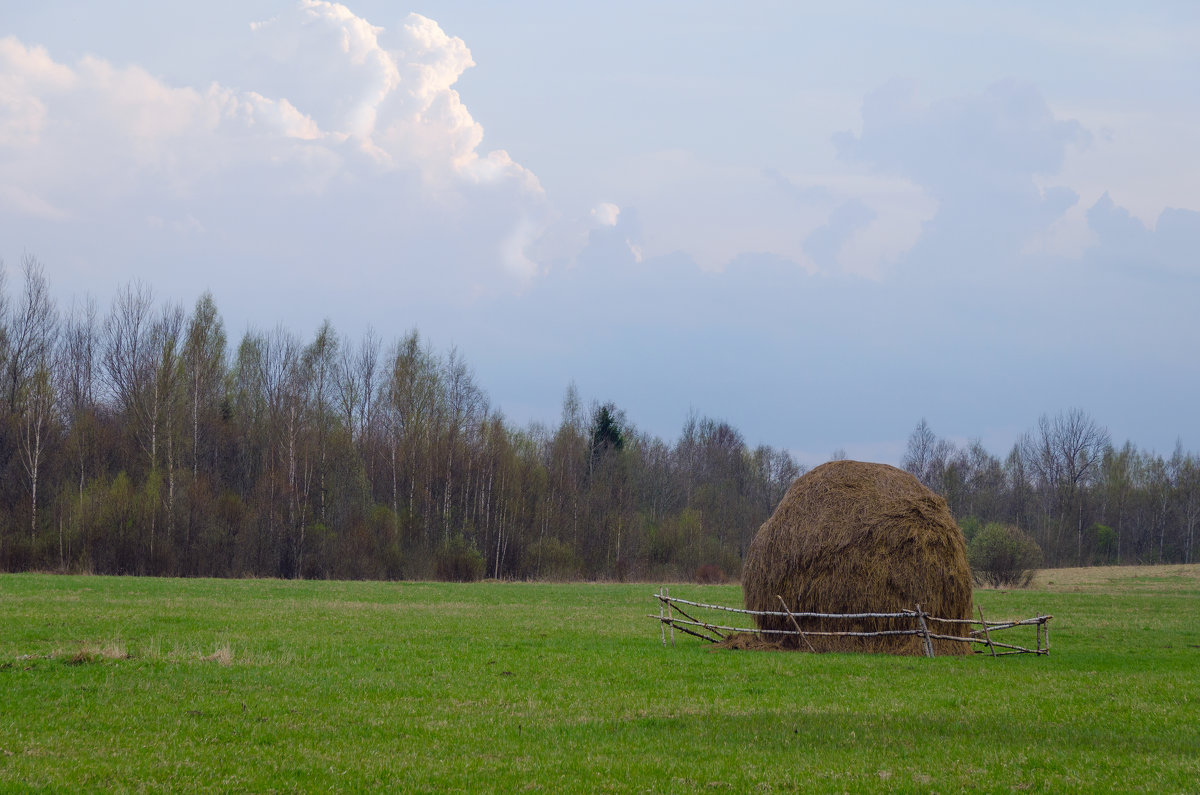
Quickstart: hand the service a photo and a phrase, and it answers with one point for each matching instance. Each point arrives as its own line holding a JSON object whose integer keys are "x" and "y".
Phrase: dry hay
{"x": 745, "y": 641}
{"x": 854, "y": 537}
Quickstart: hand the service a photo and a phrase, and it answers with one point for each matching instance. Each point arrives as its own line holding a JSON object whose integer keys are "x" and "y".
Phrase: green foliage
{"x": 1103, "y": 540}
{"x": 459, "y": 561}
{"x": 607, "y": 433}
{"x": 150, "y": 684}
{"x": 1001, "y": 555}
{"x": 970, "y": 527}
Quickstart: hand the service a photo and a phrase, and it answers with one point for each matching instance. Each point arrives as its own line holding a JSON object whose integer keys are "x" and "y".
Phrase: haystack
{"x": 854, "y": 537}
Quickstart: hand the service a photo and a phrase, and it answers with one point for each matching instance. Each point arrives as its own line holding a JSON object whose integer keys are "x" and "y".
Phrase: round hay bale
{"x": 855, "y": 537}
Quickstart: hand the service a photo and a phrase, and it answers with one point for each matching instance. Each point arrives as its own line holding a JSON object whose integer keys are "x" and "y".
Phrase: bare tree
{"x": 128, "y": 361}
{"x": 1065, "y": 455}
{"x": 983, "y": 481}
{"x": 1185, "y": 475}
{"x": 143, "y": 370}
{"x": 282, "y": 380}
{"x": 466, "y": 406}
{"x": 31, "y": 331}
{"x": 355, "y": 385}
{"x": 412, "y": 390}
{"x": 36, "y": 409}
{"x": 77, "y": 359}
{"x": 926, "y": 457}
{"x": 30, "y": 373}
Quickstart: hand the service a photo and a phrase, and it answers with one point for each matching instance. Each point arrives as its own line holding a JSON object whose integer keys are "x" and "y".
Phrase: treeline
{"x": 1083, "y": 500}
{"x": 141, "y": 440}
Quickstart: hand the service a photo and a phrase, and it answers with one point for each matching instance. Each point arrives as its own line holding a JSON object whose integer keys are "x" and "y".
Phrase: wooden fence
{"x": 980, "y": 633}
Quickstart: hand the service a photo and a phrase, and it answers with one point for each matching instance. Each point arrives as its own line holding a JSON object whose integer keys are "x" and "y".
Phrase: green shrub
{"x": 970, "y": 527}
{"x": 1102, "y": 539}
{"x": 1002, "y": 555}
{"x": 459, "y": 561}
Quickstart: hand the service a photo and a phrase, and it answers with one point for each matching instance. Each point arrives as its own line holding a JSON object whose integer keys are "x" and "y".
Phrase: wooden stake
{"x": 661, "y": 624}
{"x": 803, "y": 637}
{"x": 925, "y": 632}
{"x": 670, "y": 615}
{"x": 986, "y": 636}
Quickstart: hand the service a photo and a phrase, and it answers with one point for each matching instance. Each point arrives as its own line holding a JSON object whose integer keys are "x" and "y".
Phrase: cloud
{"x": 804, "y": 194}
{"x": 346, "y": 137}
{"x": 615, "y": 239}
{"x": 330, "y": 62}
{"x": 606, "y": 214}
{"x": 25, "y": 74}
{"x": 980, "y": 157}
{"x": 390, "y": 90}
{"x": 825, "y": 244}
{"x": 1171, "y": 247}
{"x": 996, "y": 139}
{"x": 514, "y": 250}
{"x": 79, "y": 138}
{"x": 17, "y": 201}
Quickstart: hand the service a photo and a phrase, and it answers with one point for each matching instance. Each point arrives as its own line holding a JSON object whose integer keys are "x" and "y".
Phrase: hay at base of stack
{"x": 855, "y": 537}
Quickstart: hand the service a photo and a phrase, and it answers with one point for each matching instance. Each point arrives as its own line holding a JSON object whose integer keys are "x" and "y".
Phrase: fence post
{"x": 987, "y": 636}
{"x": 670, "y": 615}
{"x": 662, "y": 625}
{"x": 925, "y": 632}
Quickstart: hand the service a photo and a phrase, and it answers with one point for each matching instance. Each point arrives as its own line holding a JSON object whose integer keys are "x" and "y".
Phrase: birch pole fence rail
{"x": 672, "y": 615}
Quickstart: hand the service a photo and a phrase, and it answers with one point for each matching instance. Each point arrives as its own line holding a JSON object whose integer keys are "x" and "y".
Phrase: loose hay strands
{"x": 693, "y": 626}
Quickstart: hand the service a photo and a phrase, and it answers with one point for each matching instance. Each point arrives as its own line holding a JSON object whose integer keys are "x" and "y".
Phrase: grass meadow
{"x": 216, "y": 685}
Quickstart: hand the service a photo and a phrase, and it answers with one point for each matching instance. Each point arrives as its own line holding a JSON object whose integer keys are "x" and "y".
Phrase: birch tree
{"x": 34, "y": 332}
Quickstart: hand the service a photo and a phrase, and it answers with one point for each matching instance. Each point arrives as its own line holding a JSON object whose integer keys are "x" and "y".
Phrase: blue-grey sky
{"x": 821, "y": 224}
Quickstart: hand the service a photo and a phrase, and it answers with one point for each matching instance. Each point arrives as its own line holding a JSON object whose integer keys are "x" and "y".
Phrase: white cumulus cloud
{"x": 606, "y": 213}
{"x": 390, "y": 91}
{"x": 339, "y": 121}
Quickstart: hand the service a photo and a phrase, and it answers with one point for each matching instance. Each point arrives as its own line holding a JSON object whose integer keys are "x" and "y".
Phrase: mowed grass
{"x": 206, "y": 685}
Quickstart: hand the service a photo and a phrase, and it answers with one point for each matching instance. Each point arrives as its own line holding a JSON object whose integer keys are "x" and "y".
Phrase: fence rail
{"x": 981, "y": 632}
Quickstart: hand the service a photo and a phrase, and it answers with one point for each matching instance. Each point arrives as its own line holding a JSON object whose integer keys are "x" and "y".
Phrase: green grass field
{"x": 148, "y": 684}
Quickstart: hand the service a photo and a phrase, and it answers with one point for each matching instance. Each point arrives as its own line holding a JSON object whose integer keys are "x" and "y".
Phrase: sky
{"x": 820, "y": 223}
